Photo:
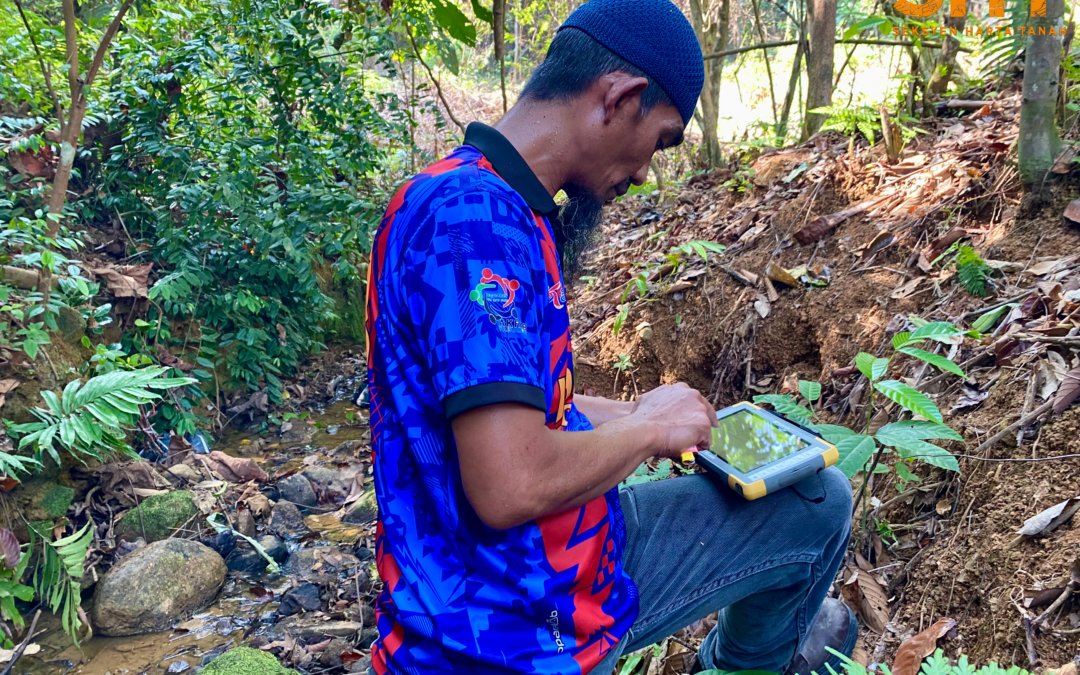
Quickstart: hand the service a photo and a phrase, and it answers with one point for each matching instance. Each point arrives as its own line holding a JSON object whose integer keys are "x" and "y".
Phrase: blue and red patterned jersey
{"x": 466, "y": 308}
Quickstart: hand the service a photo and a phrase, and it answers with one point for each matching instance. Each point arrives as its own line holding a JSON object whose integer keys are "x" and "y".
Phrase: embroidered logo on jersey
{"x": 497, "y": 296}
{"x": 558, "y": 298}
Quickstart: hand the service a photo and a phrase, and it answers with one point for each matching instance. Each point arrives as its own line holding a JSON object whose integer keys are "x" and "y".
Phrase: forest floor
{"x": 755, "y": 319}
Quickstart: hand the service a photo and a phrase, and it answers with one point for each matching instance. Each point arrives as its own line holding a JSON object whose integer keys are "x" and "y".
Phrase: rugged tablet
{"x": 758, "y": 452}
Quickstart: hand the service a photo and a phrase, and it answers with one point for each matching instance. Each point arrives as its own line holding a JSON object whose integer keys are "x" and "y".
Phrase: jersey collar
{"x": 510, "y": 166}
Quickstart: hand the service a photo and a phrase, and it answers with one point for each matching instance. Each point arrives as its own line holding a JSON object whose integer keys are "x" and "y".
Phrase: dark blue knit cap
{"x": 654, "y": 36}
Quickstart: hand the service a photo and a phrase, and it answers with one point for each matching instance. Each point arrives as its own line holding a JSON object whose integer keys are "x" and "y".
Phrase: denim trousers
{"x": 695, "y": 547}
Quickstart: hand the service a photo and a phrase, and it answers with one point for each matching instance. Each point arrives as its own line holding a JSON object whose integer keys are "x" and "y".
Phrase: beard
{"x": 577, "y": 229}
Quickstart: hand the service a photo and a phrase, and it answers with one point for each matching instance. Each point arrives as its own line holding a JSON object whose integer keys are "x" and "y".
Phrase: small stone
{"x": 368, "y": 638}
{"x": 364, "y": 554}
{"x": 245, "y": 523}
{"x": 303, "y": 598}
{"x": 245, "y": 559}
{"x": 301, "y": 562}
{"x": 185, "y": 471}
{"x": 274, "y": 547}
{"x": 331, "y": 656}
{"x": 286, "y": 521}
{"x": 152, "y": 588}
{"x": 346, "y": 448}
{"x": 320, "y": 475}
{"x": 363, "y": 510}
{"x": 308, "y": 628}
{"x": 361, "y": 666}
{"x": 178, "y": 667}
{"x": 297, "y": 489}
{"x": 222, "y": 543}
{"x": 157, "y": 516}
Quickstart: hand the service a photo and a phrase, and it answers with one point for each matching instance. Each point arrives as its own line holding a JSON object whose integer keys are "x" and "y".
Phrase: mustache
{"x": 623, "y": 187}
{"x": 578, "y": 229}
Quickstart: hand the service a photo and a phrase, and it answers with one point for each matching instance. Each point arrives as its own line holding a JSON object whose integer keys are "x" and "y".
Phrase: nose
{"x": 641, "y": 175}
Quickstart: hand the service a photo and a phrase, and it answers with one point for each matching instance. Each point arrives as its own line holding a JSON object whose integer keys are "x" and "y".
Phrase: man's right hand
{"x": 682, "y": 417}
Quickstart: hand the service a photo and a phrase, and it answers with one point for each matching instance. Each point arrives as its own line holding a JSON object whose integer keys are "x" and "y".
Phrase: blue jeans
{"x": 695, "y": 547}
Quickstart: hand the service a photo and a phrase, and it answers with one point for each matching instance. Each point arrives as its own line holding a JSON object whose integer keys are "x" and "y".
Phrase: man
{"x": 503, "y": 542}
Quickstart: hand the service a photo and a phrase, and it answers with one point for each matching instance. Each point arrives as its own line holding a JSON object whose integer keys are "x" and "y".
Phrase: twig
{"x": 45, "y": 70}
{"x": 1029, "y": 400}
{"x": 434, "y": 80}
{"x": 1066, "y": 592}
{"x": 1032, "y": 658}
{"x": 22, "y": 645}
{"x": 1024, "y": 420}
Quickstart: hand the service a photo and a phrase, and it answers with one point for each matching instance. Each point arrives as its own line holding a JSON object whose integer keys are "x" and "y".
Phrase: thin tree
{"x": 71, "y": 122}
{"x": 712, "y": 24}
{"x": 498, "y": 28}
{"x": 819, "y": 62}
{"x": 946, "y": 62}
{"x": 1039, "y": 140}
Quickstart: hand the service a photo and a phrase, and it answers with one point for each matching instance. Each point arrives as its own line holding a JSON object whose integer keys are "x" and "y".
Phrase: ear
{"x": 622, "y": 89}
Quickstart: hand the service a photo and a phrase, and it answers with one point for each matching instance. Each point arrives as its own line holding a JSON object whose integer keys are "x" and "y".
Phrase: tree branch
{"x": 106, "y": 40}
{"x": 45, "y": 70}
{"x": 853, "y": 41}
{"x": 434, "y": 80}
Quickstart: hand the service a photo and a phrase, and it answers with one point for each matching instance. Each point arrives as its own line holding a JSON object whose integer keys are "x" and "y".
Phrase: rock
{"x": 246, "y": 559}
{"x": 246, "y": 661}
{"x": 346, "y": 448}
{"x": 301, "y": 562}
{"x": 297, "y": 489}
{"x": 275, "y": 548}
{"x": 368, "y": 638}
{"x": 303, "y": 598}
{"x": 185, "y": 471}
{"x": 299, "y": 434}
{"x": 320, "y": 475}
{"x": 71, "y": 323}
{"x": 222, "y": 543}
{"x": 363, "y": 554}
{"x": 160, "y": 515}
{"x": 155, "y": 586}
{"x": 331, "y": 656}
{"x": 37, "y": 500}
{"x": 363, "y": 510}
{"x": 308, "y": 628}
{"x": 245, "y": 523}
{"x": 286, "y": 521}
{"x": 361, "y": 666}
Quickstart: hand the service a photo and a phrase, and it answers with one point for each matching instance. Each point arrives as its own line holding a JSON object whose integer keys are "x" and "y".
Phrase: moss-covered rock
{"x": 38, "y": 500}
{"x": 157, "y": 516}
{"x": 246, "y": 661}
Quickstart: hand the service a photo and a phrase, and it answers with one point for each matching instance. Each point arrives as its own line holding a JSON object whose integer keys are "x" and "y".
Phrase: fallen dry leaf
{"x": 911, "y": 653}
{"x": 1050, "y": 373}
{"x": 943, "y": 507}
{"x": 258, "y": 504}
{"x": 331, "y": 527}
{"x": 864, "y": 594}
{"x": 762, "y": 306}
{"x": 131, "y": 281}
{"x": 1072, "y": 211}
{"x": 31, "y": 649}
{"x": 8, "y": 385}
{"x": 1068, "y": 391}
{"x": 1048, "y": 520}
{"x": 780, "y": 275}
{"x": 234, "y": 469}
{"x": 883, "y": 239}
{"x": 906, "y": 289}
{"x": 167, "y": 358}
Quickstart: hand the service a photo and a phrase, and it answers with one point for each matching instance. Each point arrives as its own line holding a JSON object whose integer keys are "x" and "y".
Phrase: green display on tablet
{"x": 747, "y": 441}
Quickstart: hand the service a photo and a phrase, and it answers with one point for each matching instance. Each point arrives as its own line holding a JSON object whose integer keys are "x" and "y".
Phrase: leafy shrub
{"x": 935, "y": 665}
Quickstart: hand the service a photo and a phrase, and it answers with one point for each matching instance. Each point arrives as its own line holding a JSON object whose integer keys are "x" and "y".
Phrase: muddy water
{"x": 241, "y": 610}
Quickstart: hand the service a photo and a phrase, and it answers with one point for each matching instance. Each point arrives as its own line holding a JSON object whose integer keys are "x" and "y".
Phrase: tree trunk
{"x": 1039, "y": 141}
{"x": 939, "y": 81}
{"x": 789, "y": 97}
{"x": 819, "y": 62}
{"x": 498, "y": 29}
{"x": 711, "y": 25}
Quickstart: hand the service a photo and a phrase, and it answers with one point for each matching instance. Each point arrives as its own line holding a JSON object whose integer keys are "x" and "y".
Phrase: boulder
{"x": 297, "y": 489}
{"x": 363, "y": 510}
{"x": 157, "y": 516}
{"x": 286, "y": 521}
{"x": 39, "y": 500}
{"x": 246, "y": 661}
{"x": 150, "y": 589}
{"x": 320, "y": 475}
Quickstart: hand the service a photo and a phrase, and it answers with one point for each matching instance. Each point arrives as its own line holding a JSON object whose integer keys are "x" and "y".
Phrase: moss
{"x": 246, "y": 661}
{"x": 350, "y": 302}
{"x": 57, "y": 500}
{"x": 158, "y": 516}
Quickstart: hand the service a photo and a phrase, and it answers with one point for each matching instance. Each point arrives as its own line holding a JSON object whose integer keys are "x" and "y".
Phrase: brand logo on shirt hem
{"x": 497, "y": 296}
{"x": 558, "y": 298}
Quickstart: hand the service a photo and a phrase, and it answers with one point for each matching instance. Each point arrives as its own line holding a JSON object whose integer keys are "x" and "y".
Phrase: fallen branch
{"x": 822, "y": 225}
{"x": 25, "y": 279}
{"x": 853, "y": 41}
{"x": 1066, "y": 592}
{"x": 1023, "y": 421}
{"x": 1066, "y": 341}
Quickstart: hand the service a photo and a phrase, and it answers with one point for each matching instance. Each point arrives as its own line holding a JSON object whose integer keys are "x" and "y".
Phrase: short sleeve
{"x": 472, "y": 281}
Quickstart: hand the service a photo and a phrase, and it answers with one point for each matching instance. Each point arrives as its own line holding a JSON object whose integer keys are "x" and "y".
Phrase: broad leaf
{"x": 878, "y": 369}
{"x": 940, "y": 331}
{"x": 454, "y": 21}
{"x": 833, "y": 433}
{"x": 901, "y": 340}
{"x": 811, "y": 391}
{"x": 865, "y": 362}
{"x": 934, "y": 360}
{"x": 909, "y": 399}
{"x": 855, "y": 451}
{"x": 987, "y": 321}
{"x": 483, "y": 13}
{"x": 929, "y": 453}
{"x": 786, "y": 406}
{"x": 895, "y": 432}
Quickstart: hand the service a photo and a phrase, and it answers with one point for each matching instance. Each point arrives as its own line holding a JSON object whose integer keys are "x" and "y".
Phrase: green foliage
{"x": 624, "y": 363}
{"x": 937, "y": 664}
{"x": 851, "y": 119}
{"x": 972, "y": 271}
{"x": 643, "y": 474}
{"x": 57, "y": 577}
{"x": 987, "y": 321}
{"x": 89, "y": 420}
{"x": 620, "y": 318}
{"x": 700, "y": 247}
{"x": 11, "y": 587}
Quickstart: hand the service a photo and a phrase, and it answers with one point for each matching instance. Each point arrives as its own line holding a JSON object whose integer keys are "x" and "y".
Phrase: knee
{"x": 834, "y": 514}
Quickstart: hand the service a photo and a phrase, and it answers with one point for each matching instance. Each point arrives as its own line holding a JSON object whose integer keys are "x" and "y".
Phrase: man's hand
{"x": 684, "y": 419}
{"x": 514, "y": 469}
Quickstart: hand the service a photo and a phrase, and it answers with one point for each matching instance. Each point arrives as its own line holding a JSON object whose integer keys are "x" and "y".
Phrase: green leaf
{"x": 929, "y": 453}
{"x": 855, "y": 451}
{"x": 31, "y": 349}
{"x": 901, "y": 340}
{"x": 833, "y": 433}
{"x": 482, "y": 12}
{"x": 785, "y": 405}
{"x": 940, "y": 331}
{"x": 917, "y": 320}
{"x": 895, "y": 432}
{"x": 987, "y": 321}
{"x": 811, "y": 391}
{"x": 878, "y": 369}
{"x": 866, "y": 24}
{"x": 905, "y": 474}
{"x": 454, "y": 21}
{"x": 934, "y": 360}
{"x": 864, "y": 362}
{"x": 909, "y": 399}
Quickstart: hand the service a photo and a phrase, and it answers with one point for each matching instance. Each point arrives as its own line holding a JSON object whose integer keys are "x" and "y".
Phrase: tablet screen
{"x": 746, "y": 441}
